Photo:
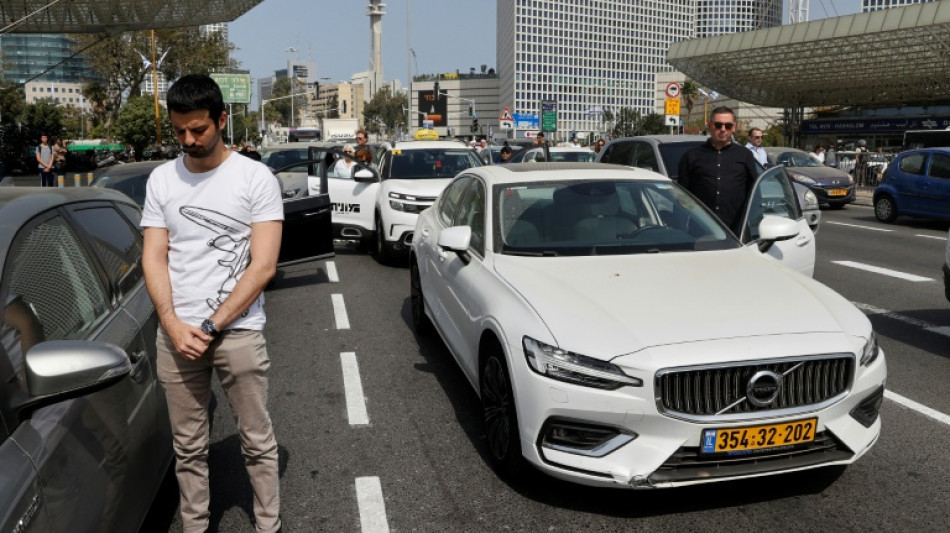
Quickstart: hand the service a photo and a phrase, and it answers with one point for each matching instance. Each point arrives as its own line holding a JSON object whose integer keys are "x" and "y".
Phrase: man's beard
{"x": 201, "y": 152}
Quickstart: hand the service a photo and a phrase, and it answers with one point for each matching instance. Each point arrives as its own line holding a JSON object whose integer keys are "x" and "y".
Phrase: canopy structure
{"x": 114, "y": 16}
{"x": 889, "y": 57}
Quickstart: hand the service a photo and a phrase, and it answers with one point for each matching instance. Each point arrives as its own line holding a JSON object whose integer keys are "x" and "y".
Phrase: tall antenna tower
{"x": 375, "y": 14}
{"x": 797, "y": 11}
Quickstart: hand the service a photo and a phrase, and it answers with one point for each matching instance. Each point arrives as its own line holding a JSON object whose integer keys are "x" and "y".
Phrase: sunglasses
{"x": 754, "y": 136}
{"x": 723, "y": 125}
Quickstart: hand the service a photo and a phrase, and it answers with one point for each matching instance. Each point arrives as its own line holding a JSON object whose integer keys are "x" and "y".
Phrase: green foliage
{"x": 73, "y": 122}
{"x": 385, "y": 110}
{"x": 280, "y": 110}
{"x": 136, "y": 123}
{"x": 630, "y": 122}
{"x": 244, "y": 126}
{"x": 43, "y": 117}
{"x": 12, "y": 101}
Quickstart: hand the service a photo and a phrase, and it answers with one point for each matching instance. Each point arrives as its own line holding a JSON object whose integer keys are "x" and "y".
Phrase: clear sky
{"x": 447, "y": 35}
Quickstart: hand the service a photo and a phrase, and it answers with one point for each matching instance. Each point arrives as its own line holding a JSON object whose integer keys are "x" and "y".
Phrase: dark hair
{"x": 195, "y": 92}
{"x": 723, "y": 109}
{"x": 506, "y": 149}
{"x": 540, "y": 134}
{"x": 753, "y": 130}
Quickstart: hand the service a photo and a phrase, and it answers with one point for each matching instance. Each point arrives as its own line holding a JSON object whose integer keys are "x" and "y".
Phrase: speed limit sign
{"x": 673, "y": 90}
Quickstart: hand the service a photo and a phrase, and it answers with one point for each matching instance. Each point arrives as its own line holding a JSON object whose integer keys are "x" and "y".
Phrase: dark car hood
{"x": 823, "y": 175}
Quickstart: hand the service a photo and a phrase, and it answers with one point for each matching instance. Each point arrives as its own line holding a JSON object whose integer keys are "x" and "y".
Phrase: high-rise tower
{"x": 375, "y": 14}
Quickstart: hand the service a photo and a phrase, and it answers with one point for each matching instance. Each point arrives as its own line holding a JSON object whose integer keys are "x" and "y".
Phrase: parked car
{"x": 380, "y": 208}
{"x": 917, "y": 183}
{"x": 833, "y": 187}
{"x": 307, "y": 232}
{"x": 558, "y": 154}
{"x": 84, "y": 434}
{"x": 561, "y": 293}
{"x": 663, "y": 153}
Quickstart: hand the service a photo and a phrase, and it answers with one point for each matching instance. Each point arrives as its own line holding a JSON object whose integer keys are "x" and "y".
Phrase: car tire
{"x": 500, "y": 415}
{"x": 380, "y": 250}
{"x": 884, "y": 208}
{"x": 420, "y": 321}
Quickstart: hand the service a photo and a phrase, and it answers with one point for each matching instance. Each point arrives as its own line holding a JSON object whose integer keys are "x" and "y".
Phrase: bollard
{"x": 77, "y": 180}
{"x": 61, "y": 180}
{"x": 89, "y": 177}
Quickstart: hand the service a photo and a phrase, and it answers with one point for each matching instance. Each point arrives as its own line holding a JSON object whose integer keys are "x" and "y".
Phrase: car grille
{"x": 689, "y": 464}
{"x": 720, "y": 393}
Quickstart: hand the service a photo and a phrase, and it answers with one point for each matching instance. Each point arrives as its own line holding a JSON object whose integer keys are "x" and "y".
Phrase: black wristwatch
{"x": 209, "y": 328}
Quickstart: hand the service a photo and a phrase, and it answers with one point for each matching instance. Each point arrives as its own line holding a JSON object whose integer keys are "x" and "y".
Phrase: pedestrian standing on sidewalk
{"x": 721, "y": 173}
{"x": 755, "y": 146}
{"x": 45, "y": 160}
{"x": 212, "y": 223}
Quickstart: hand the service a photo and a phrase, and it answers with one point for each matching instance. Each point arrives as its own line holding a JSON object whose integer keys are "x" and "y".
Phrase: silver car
{"x": 84, "y": 432}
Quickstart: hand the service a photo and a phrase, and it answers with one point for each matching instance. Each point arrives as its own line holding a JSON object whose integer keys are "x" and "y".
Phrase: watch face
{"x": 208, "y": 327}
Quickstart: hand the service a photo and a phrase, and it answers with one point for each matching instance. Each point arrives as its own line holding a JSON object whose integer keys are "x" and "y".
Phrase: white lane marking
{"x": 920, "y": 408}
{"x": 339, "y": 311}
{"x": 884, "y": 271}
{"x": 353, "y": 389}
{"x": 916, "y": 322}
{"x": 872, "y": 228}
{"x": 331, "y": 272}
{"x": 935, "y": 237}
{"x": 369, "y": 498}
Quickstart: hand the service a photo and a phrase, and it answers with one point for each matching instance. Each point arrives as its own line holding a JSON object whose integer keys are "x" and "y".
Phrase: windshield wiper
{"x": 525, "y": 253}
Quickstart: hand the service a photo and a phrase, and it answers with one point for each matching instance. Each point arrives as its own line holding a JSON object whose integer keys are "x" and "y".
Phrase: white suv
{"x": 408, "y": 176}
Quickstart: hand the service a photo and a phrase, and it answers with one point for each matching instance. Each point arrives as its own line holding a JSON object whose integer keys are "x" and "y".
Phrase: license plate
{"x": 837, "y": 192}
{"x": 751, "y": 438}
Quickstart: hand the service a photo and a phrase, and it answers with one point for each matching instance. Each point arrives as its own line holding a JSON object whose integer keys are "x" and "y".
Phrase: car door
{"x": 774, "y": 195}
{"x": 353, "y": 202}
{"x": 934, "y": 191}
{"x": 90, "y": 452}
{"x": 909, "y": 182}
{"x": 645, "y": 157}
{"x": 307, "y": 233}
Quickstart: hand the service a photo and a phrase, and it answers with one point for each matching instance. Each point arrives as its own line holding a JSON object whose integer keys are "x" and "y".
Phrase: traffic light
{"x": 471, "y": 110}
{"x": 474, "y": 124}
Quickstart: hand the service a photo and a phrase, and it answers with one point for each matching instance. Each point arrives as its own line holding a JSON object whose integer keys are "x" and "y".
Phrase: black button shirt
{"x": 721, "y": 179}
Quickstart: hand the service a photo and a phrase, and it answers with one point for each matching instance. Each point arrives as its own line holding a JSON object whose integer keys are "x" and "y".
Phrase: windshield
{"x": 581, "y": 218}
{"x": 429, "y": 163}
{"x": 573, "y": 157}
{"x": 672, "y": 153}
{"x": 281, "y": 158}
{"x": 797, "y": 159}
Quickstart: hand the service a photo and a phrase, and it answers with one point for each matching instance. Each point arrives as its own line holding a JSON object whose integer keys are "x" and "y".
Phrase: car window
{"x": 645, "y": 157}
{"x": 133, "y": 187}
{"x": 471, "y": 213}
{"x": 430, "y": 163}
{"x": 49, "y": 270}
{"x": 940, "y": 166}
{"x": 672, "y": 154}
{"x": 448, "y": 201}
{"x": 133, "y": 214}
{"x": 619, "y": 153}
{"x": 913, "y": 163}
{"x": 118, "y": 245}
{"x": 773, "y": 195}
{"x": 571, "y": 157}
{"x": 797, "y": 159}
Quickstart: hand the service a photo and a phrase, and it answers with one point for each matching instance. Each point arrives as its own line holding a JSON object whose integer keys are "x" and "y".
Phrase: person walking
{"x": 720, "y": 172}
{"x": 45, "y": 160}
{"x": 212, "y": 223}
{"x": 755, "y": 146}
{"x": 819, "y": 153}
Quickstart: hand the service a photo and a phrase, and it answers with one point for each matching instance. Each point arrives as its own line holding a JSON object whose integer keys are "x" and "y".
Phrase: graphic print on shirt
{"x": 231, "y": 238}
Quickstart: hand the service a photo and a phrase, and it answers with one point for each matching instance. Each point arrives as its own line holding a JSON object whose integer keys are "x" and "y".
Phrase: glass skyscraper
{"x": 720, "y": 17}
{"x": 43, "y": 56}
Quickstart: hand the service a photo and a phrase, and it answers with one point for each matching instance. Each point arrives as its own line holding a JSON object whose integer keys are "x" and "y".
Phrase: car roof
{"x": 563, "y": 148}
{"x": 117, "y": 173}
{"x": 782, "y": 149}
{"x": 662, "y": 139}
{"x": 424, "y": 145}
{"x": 534, "y": 172}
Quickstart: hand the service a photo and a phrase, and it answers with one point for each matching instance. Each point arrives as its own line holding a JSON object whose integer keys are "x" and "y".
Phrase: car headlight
{"x": 562, "y": 365}
{"x": 407, "y": 208}
{"x": 801, "y": 178}
{"x": 871, "y": 350}
{"x": 811, "y": 200}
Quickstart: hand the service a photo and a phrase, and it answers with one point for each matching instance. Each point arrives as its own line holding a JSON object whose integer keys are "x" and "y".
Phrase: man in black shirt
{"x": 720, "y": 172}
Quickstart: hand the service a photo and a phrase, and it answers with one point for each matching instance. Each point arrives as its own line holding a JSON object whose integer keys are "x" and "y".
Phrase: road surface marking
{"x": 331, "y": 272}
{"x": 339, "y": 311}
{"x": 920, "y": 408}
{"x": 872, "y": 228}
{"x": 369, "y": 498}
{"x": 353, "y": 388}
{"x": 916, "y": 322}
{"x": 936, "y": 237}
{"x": 884, "y": 271}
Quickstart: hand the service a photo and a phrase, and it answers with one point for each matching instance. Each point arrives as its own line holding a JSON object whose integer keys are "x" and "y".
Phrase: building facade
{"x": 877, "y": 5}
{"x": 43, "y": 57}
{"x": 720, "y": 17}
{"x": 62, "y": 93}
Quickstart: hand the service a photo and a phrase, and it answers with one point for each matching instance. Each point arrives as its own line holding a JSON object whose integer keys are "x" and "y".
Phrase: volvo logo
{"x": 763, "y": 388}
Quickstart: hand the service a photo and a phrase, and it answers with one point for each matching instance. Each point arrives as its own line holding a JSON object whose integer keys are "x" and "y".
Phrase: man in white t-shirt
{"x": 206, "y": 215}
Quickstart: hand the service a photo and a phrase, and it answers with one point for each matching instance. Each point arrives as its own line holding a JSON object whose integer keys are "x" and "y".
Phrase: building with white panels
{"x": 719, "y": 17}
{"x": 877, "y": 5}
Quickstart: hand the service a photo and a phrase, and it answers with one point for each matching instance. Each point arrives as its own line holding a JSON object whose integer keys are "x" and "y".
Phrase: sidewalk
{"x": 864, "y": 196}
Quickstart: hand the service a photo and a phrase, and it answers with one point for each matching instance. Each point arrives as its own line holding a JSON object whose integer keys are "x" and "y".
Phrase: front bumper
{"x": 665, "y": 450}
{"x": 825, "y": 196}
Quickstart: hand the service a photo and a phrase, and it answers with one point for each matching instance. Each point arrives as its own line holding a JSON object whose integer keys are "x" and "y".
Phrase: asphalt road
{"x": 416, "y": 462}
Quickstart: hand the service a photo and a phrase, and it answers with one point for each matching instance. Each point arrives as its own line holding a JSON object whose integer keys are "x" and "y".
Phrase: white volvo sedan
{"x": 619, "y": 335}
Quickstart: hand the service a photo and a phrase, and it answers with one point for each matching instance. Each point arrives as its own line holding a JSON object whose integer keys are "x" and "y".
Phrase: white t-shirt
{"x": 209, "y": 217}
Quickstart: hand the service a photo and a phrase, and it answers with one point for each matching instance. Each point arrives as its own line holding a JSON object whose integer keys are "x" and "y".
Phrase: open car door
{"x": 308, "y": 230}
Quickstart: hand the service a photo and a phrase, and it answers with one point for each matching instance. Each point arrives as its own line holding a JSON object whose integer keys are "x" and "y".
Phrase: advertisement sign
{"x": 548, "y": 115}
{"x": 524, "y": 121}
{"x": 869, "y": 125}
{"x": 434, "y": 107}
{"x": 236, "y": 88}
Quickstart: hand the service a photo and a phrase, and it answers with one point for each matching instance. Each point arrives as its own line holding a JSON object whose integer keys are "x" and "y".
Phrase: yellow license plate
{"x": 837, "y": 192}
{"x": 752, "y": 438}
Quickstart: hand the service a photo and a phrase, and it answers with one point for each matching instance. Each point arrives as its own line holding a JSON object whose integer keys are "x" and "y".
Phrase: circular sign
{"x": 673, "y": 90}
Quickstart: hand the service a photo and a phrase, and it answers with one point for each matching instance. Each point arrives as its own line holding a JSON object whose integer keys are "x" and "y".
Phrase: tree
{"x": 136, "y": 123}
{"x": 12, "y": 143}
{"x": 385, "y": 110}
{"x": 653, "y": 124}
{"x": 42, "y": 118}
{"x": 73, "y": 127}
{"x": 689, "y": 92}
{"x": 280, "y": 110}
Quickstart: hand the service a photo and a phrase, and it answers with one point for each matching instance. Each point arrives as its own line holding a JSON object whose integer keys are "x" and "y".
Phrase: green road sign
{"x": 236, "y": 88}
{"x": 548, "y": 115}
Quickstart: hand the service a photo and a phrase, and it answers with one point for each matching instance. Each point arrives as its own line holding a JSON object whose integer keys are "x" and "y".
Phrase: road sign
{"x": 526, "y": 122}
{"x": 673, "y": 106}
{"x": 506, "y": 124}
{"x": 505, "y": 115}
{"x": 672, "y": 120}
{"x": 673, "y": 90}
{"x": 548, "y": 115}
{"x": 236, "y": 88}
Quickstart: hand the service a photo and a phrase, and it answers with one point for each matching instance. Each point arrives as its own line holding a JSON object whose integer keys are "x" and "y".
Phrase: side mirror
{"x": 363, "y": 174}
{"x": 773, "y": 229}
{"x": 456, "y": 238}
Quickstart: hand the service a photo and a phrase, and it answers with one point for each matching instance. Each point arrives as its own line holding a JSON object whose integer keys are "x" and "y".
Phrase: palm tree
{"x": 689, "y": 92}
